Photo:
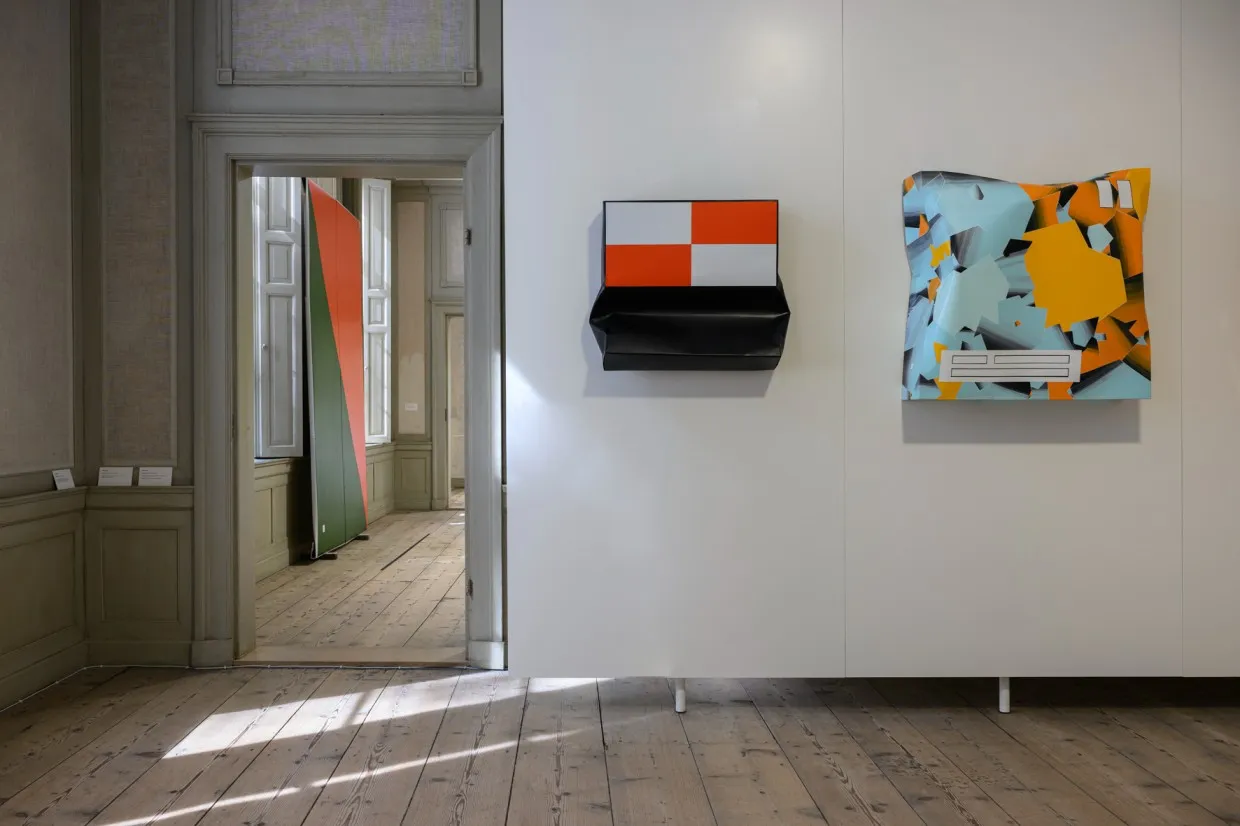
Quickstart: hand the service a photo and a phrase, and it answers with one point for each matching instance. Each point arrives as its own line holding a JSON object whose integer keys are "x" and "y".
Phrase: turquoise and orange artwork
{"x": 1026, "y": 291}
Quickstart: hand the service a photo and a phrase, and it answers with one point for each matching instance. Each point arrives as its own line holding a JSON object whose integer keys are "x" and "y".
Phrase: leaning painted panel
{"x": 1026, "y": 291}
{"x": 335, "y": 355}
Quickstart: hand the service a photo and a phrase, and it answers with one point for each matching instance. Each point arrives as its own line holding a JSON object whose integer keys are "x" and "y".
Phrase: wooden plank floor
{"x": 402, "y": 591}
{"x": 328, "y": 747}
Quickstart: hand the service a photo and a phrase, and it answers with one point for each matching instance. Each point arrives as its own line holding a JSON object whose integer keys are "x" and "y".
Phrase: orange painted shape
{"x": 909, "y": 183}
{"x": 1114, "y": 347}
{"x": 1139, "y": 358}
{"x": 1126, "y": 245}
{"x": 922, "y": 227}
{"x": 1060, "y": 390}
{"x": 1140, "y": 181}
{"x": 938, "y": 352}
{"x": 1134, "y": 311}
{"x": 1085, "y": 207}
{"x": 1046, "y": 211}
{"x": 648, "y": 265}
{"x": 340, "y": 247}
{"x": 1038, "y": 191}
{"x": 948, "y": 390}
{"x": 932, "y": 289}
{"x": 735, "y": 222}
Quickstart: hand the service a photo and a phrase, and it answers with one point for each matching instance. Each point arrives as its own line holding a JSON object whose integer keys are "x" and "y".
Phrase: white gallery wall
{"x": 807, "y": 522}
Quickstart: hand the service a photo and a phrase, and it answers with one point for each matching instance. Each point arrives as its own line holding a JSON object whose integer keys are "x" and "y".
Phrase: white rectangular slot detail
{"x": 1106, "y": 198}
{"x": 1010, "y": 365}
{"x": 1125, "y": 194}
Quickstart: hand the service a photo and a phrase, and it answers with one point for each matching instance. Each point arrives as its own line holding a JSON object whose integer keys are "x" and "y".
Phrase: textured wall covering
{"x": 36, "y": 237}
{"x": 351, "y": 35}
{"x": 138, "y": 278}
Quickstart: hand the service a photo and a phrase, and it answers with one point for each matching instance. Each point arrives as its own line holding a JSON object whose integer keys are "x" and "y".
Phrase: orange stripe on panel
{"x": 340, "y": 244}
{"x": 649, "y": 265}
{"x": 735, "y": 222}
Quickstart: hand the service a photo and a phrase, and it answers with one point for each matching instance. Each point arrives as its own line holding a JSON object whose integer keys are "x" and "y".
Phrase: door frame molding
{"x": 223, "y": 145}
{"x": 438, "y": 369}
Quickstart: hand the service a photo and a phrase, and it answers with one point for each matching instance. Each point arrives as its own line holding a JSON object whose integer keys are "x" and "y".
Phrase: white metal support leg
{"x": 1005, "y": 695}
{"x": 678, "y": 685}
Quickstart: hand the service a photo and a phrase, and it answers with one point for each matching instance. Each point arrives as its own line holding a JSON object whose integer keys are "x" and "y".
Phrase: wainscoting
{"x": 281, "y": 513}
{"x": 138, "y": 575}
{"x": 413, "y": 476}
{"x": 380, "y": 481}
{"x": 42, "y": 590}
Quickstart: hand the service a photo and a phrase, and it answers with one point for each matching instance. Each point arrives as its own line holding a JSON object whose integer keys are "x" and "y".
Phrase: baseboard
{"x": 372, "y": 657}
{"x": 275, "y": 559}
{"x": 131, "y": 652}
{"x": 492, "y": 656}
{"x": 413, "y": 505}
{"x": 37, "y": 676}
{"x": 458, "y": 482}
{"x": 211, "y": 653}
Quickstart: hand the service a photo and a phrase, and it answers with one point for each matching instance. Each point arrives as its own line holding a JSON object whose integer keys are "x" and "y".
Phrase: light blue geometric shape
{"x": 1082, "y": 333}
{"x": 1099, "y": 237}
{"x": 918, "y": 321}
{"x": 1002, "y": 213}
{"x": 964, "y": 298}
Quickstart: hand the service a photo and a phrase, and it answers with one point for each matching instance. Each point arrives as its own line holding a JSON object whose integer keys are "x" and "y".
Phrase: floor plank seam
{"x": 430, "y": 751}
{"x": 680, "y": 718}
{"x": 512, "y": 780}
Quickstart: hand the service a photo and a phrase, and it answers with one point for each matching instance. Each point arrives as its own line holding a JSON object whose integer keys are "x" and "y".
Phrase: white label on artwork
{"x": 1106, "y": 198}
{"x": 115, "y": 477}
{"x": 154, "y": 477}
{"x": 411, "y": 407}
{"x": 1034, "y": 366}
{"x": 1125, "y": 194}
{"x": 63, "y": 479}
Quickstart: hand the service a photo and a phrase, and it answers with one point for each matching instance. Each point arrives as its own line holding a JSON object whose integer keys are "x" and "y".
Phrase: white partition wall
{"x": 660, "y": 523}
{"x": 1211, "y": 372}
{"x": 806, "y": 521}
{"x": 1008, "y": 538}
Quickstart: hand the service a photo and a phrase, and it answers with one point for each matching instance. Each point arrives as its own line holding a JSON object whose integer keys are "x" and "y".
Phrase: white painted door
{"x": 277, "y": 318}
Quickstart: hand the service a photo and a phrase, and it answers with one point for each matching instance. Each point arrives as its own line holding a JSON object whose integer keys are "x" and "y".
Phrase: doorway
{"x": 391, "y": 589}
{"x": 228, "y": 153}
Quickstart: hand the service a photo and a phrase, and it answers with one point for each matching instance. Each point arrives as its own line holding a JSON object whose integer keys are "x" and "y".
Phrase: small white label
{"x": 411, "y": 407}
{"x": 64, "y": 479}
{"x": 1125, "y": 194}
{"x": 115, "y": 477}
{"x": 154, "y": 477}
{"x": 1106, "y": 199}
{"x": 324, "y": 529}
{"x": 1011, "y": 365}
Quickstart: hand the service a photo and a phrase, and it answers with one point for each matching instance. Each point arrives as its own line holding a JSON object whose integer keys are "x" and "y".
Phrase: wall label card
{"x": 64, "y": 479}
{"x": 115, "y": 477}
{"x": 155, "y": 477}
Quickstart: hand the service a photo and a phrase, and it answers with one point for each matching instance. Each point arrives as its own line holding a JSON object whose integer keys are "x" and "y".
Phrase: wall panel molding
{"x": 39, "y": 151}
{"x": 138, "y": 569}
{"x": 139, "y": 306}
{"x": 413, "y": 476}
{"x": 41, "y": 553}
{"x": 380, "y": 481}
{"x": 229, "y": 74}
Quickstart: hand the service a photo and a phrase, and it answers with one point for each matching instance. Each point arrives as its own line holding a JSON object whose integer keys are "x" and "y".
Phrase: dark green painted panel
{"x": 330, "y": 453}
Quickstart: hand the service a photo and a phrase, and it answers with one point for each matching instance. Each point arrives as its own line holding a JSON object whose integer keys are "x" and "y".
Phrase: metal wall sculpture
{"x": 1026, "y": 291}
{"x": 690, "y": 285}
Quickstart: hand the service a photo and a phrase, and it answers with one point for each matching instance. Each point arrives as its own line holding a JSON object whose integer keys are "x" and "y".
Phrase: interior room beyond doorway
{"x": 391, "y": 592}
